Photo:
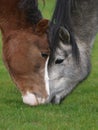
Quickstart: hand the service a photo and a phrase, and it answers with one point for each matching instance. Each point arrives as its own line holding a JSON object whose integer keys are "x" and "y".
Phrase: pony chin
{"x": 32, "y": 100}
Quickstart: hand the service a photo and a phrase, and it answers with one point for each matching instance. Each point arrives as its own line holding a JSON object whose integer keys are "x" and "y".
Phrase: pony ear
{"x": 64, "y": 35}
{"x": 42, "y": 27}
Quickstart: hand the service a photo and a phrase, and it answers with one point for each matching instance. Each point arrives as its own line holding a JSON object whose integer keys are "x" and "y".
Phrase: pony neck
{"x": 11, "y": 17}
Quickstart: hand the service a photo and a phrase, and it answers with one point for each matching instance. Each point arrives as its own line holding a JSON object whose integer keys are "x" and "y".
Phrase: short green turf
{"x": 79, "y": 111}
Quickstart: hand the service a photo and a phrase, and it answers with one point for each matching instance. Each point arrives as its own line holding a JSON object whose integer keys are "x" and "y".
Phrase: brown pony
{"x": 25, "y": 47}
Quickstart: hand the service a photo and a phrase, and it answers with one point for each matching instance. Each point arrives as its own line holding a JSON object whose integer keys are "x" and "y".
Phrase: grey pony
{"x": 63, "y": 72}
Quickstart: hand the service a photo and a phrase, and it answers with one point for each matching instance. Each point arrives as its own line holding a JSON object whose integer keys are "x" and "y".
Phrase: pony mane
{"x": 62, "y": 17}
{"x": 30, "y": 9}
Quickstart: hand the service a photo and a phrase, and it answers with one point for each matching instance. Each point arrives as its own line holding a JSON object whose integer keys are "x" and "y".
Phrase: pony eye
{"x": 59, "y": 61}
{"x": 44, "y": 55}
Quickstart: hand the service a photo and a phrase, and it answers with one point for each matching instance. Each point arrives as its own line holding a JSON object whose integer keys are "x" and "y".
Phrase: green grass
{"x": 79, "y": 111}
{"x": 47, "y": 10}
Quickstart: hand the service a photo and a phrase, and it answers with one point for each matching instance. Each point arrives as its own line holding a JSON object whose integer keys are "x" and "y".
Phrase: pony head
{"x": 70, "y": 41}
{"x": 25, "y": 48}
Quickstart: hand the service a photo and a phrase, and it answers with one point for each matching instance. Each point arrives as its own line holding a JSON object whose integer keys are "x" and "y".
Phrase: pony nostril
{"x": 53, "y": 100}
{"x": 44, "y": 55}
{"x": 56, "y": 100}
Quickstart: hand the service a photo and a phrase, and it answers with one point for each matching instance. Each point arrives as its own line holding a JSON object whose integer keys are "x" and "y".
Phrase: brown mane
{"x": 19, "y": 14}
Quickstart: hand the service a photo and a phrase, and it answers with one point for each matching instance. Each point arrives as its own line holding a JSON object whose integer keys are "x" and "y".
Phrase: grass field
{"x": 79, "y": 111}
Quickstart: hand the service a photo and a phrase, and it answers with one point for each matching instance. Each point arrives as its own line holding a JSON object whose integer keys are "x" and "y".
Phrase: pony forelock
{"x": 62, "y": 17}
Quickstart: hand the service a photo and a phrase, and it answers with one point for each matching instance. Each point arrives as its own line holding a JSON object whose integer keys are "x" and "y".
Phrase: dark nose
{"x": 54, "y": 99}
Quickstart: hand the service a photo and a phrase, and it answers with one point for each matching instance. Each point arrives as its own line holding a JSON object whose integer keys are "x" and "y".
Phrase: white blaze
{"x": 46, "y": 77}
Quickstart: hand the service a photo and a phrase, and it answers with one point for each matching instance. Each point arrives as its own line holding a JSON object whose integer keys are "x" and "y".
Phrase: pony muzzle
{"x": 32, "y": 100}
